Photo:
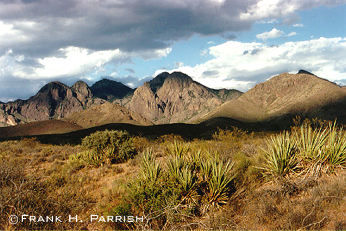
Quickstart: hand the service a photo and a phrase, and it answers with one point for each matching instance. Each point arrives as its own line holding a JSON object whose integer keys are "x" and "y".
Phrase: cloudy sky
{"x": 220, "y": 43}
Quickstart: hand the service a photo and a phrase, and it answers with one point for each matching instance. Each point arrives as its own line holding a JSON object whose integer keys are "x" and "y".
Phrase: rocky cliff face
{"x": 54, "y": 100}
{"x": 172, "y": 98}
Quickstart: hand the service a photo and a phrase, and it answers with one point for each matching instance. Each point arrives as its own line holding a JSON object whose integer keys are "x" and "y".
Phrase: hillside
{"x": 106, "y": 113}
{"x": 287, "y": 94}
{"x": 39, "y": 128}
{"x": 171, "y": 98}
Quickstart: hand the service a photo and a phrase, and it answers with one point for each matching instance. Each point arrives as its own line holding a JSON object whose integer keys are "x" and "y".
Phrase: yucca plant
{"x": 205, "y": 169}
{"x": 184, "y": 176}
{"x": 195, "y": 159}
{"x": 334, "y": 152}
{"x": 220, "y": 182}
{"x": 174, "y": 166}
{"x": 151, "y": 170}
{"x": 310, "y": 141}
{"x": 279, "y": 156}
{"x": 178, "y": 148}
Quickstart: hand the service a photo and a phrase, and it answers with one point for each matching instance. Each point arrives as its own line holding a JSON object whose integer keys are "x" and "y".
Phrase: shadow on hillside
{"x": 203, "y": 130}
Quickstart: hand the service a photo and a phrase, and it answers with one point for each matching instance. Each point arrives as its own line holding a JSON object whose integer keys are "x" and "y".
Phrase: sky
{"x": 232, "y": 44}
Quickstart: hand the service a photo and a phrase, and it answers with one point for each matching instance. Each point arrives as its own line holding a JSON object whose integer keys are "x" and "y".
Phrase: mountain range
{"x": 176, "y": 98}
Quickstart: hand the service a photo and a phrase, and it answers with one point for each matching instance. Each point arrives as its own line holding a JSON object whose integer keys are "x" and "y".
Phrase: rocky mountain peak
{"x": 175, "y": 97}
{"x": 304, "y": 72}
{"x": 175, "y": 77}
{"x": 109, "y": 89}
{"x": 82, "y": 91}
{"x": 158, "y": 81}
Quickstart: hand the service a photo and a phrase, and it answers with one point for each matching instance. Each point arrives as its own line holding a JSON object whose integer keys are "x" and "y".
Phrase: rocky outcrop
{"x": 54, "y": 100}
{"x": 172, "y": 98}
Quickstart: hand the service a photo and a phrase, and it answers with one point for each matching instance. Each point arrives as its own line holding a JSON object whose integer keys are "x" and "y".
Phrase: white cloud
{"x": 74, "y": 61}
{"x": 71, "y": 61}
{"x": 298, "y": 25}
{"x": 274, "y": 33}
{"x": 241, "y": 65}
{"x": 292, "y": 34}
{"x": 264, "y": 9}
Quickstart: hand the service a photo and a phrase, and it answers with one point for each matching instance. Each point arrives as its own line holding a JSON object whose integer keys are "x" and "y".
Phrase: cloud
{"x": 51, "y": 39}
{"x": 71, "y": 61}
{"x": 291, "y": 34}
{"x": 274, "y": 33}
{"x": 39, "y": 28}
{"x": 298, "y": 25}
{"x": 285, "y": 9}
{"x": 241, "y": 65}
{"x": 132, "y": 81}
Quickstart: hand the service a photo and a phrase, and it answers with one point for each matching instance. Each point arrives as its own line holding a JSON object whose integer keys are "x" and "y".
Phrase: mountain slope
{"x": 287, "y": 94}
{"x": 171, "y": 98}
{"x": 106, "y": 113}
{"x": 39, "y": 128}
{"x": 54, "y": 100}
{"x": 110, "y": 90}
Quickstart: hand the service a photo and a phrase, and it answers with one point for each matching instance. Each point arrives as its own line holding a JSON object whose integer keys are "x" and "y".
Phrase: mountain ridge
{"x": 286, "y": 94}
{"x": 55, "y": 100}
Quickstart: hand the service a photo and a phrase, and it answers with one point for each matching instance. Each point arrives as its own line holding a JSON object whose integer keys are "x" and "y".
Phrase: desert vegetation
{"x": 293, "y": 179}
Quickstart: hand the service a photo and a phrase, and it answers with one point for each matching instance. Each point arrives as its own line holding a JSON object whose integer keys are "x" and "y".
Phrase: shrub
{"x": 220, "y": 182}
{"x": 107, "y": 146}
{"x": 334, "y": 152}
{"x": 151, "y": 170}
{"x": 310, "y": 141}
{"x": 279, "y": 156}
{"x": 178, "y": 148}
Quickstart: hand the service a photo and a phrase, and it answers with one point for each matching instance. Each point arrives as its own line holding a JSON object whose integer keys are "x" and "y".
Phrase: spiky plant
{"x": 178, "y": 148}
{"x": 151, "y": 170}
{"x": 334, "y": 152}
{"x": 184, "y": 175}
{"x": 310, "y": 141}
{"x": 195, "y": 159}
{"x": 174, "y": 166}
{"x": 205, "y": 169}
{"x": 220, "y": 182}
{"x": 279, "y": 156}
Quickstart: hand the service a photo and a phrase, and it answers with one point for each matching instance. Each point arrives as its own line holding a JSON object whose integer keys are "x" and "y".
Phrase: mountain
{"x": 287, "y": 95}
{"x": 110, "y": 90}
{"x": 106, "y": 113}
{"x": 54, "y": 100}
{"x": 175, "y": 97}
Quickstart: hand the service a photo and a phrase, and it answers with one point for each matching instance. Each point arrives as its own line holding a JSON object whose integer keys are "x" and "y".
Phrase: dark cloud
{"x": 128, "y": 25}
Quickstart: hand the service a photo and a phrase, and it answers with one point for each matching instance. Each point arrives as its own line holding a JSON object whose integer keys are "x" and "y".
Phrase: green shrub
{"x": 279, "y": 156}
{"x": 107, "y": 146}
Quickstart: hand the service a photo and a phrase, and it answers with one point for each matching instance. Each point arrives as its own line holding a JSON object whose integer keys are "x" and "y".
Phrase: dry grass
{"x": 53, "y": 183}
